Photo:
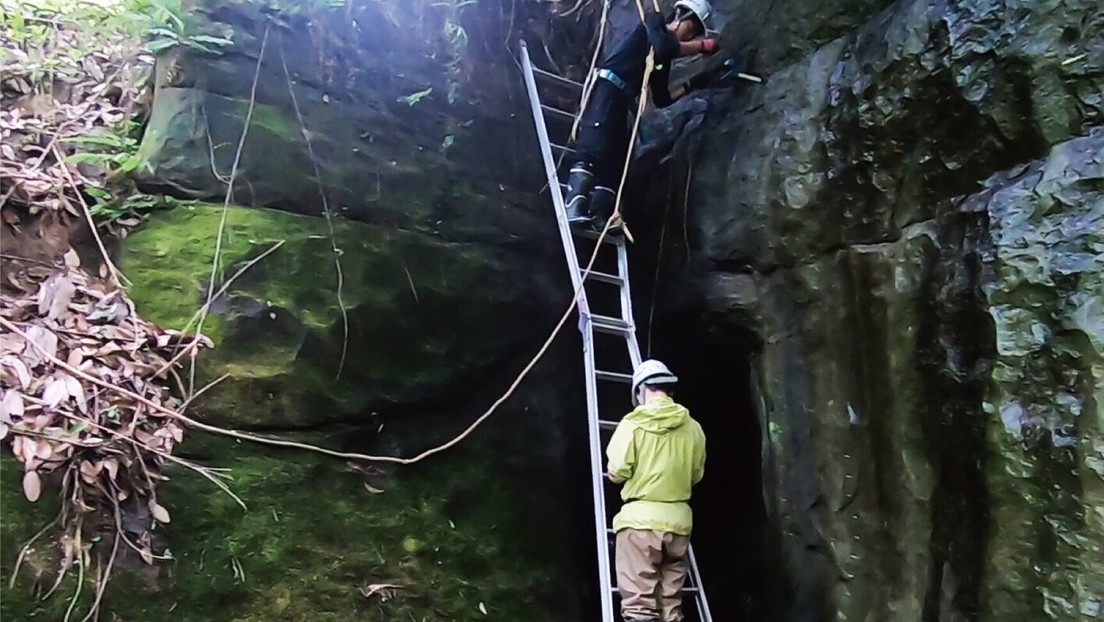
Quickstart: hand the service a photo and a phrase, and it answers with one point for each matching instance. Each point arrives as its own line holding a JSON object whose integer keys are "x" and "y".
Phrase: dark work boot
{"x": 577, "y": 200}
{"x": 602, "y": 201}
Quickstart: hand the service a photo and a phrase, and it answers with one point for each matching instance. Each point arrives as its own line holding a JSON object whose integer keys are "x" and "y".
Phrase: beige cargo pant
{"x": 651, "y": 569}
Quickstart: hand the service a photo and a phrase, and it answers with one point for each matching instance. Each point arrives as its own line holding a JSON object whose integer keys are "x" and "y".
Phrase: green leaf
{"x": 98, "y": 193}
{"x": 88, "y": 158}
{"x": 129, "y": 164}
{"x": 163, "y": 32}
{"x": 212, "y": 40}
{"x": 161, "y": 45}
{"x": 106, "y": 141}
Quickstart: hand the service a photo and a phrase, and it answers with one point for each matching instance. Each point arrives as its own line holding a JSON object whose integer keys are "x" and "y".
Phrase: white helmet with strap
{"x": 700, "y": 8}
{"x": 650, "y": 372}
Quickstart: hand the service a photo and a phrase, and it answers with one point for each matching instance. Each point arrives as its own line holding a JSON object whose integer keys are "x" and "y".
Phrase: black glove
{"x": 654, "y": 20}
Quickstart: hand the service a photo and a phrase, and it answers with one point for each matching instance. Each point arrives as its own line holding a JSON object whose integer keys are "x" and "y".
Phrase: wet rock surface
{"x": 905, "y": 218}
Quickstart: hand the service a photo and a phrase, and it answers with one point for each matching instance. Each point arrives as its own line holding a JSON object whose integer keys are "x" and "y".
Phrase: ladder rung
{"x": 556, "y": 78}
{"x": 611, "y": 325}
{"x": 561, "y": 147}
{"x": 606, "y": 424}
{"x": 556, "y": 111}
{"x": 604, "y": 277}
{"x": 685, "y": 590}
{"x": 613, "y": 376}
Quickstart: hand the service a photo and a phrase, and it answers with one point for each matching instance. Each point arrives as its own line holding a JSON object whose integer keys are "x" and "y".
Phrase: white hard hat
{"x": 651, "y": 372}
{"x": 700, "y": 8}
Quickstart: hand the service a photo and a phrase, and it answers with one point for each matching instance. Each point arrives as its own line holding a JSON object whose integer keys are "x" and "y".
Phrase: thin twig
{"x": 410, "y": 279}
{"x": 116, "y": 276}
{"x": 326, "y": 212}
{"x": 204, "y": 471}
{"x": 27, "y": 259}
{"x": 201, "y": 391}
{"x": 27, "y": 547}
{"x": 80, "y": 575}
{"x": 207, "y": 305}
{"x": 94, "y": 612}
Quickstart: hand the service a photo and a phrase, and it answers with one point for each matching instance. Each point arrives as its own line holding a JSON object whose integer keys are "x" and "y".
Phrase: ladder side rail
{"x": 699, "y": 597}
{"x": 553, "y": 180}
{"x": 597, "y": 479}
{"x": 586, "y": 328}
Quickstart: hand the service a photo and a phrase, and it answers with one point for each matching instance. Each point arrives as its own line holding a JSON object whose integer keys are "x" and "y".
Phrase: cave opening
{"x": 714, "y": 367}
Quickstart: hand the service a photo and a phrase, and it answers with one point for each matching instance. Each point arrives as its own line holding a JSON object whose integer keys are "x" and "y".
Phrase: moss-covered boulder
{"x": 359, "y": 338}
{"x": 393, "y": 321}
{"x": 405, "y": 110}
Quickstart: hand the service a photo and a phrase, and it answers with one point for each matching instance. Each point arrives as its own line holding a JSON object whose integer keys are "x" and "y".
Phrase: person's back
{"x": 658, "y": 453}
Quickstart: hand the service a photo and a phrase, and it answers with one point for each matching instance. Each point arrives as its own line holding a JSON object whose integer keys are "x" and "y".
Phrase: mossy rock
{"x": 425, "y": 318}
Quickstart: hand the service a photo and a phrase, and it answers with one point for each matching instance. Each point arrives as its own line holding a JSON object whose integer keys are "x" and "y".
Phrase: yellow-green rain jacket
{"x": 658, "y": 451}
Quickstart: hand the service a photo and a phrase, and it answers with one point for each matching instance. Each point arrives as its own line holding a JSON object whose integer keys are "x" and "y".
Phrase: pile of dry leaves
{"x": 68, "y": 98}
{"x": 85, "y": 402}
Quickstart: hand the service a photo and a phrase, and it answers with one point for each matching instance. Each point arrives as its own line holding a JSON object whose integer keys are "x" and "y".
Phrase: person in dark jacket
{"x": 604, "y": 130}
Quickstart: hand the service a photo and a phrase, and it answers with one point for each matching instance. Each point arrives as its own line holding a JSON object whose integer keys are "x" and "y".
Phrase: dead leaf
{"x": 372, "y": 489}
{"x": 72, "y": 259}
{"x": 159, "y": 512}
{"x": 111, "y": 465}
{"x": 54, "y": 296}
{"x": 11, "y": 406}
{"x": 20, "y": 369}
{"x": 44, "y": 339}
{"x": 483, "y": 608}
{"x": 385, "y": 590}
{"x": 55, "y": 393}
{"x": 32, "y": 486}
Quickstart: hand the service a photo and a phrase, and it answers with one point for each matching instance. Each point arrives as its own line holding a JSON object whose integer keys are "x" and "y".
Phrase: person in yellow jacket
{"x": 658, "y": 453}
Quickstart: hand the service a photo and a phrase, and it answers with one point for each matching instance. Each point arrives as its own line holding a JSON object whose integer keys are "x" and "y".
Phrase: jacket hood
{"x": 659, "y": 415}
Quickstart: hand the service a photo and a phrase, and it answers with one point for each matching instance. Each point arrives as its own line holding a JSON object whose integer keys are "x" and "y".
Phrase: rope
{"x": 648, "y": 68}
{"x": 588, "y": 85}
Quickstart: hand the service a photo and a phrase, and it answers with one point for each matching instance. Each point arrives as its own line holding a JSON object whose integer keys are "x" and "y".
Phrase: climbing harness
{"x": 621, "y": 325}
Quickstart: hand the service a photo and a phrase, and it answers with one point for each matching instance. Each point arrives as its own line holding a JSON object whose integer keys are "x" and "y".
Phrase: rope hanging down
{"x": 648, "y": 68}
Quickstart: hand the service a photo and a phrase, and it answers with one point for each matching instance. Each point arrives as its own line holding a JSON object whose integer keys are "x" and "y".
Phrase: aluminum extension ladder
{"x": 589, "y": 323}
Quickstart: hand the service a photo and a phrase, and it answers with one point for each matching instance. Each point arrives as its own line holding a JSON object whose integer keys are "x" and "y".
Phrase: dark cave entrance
{"x": 715, "y": 376}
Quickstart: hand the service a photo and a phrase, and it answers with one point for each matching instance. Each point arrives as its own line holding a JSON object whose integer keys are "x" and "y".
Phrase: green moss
{"x": 415, "y": 330}
{"x": 314, "y": 535}
{"x": 271, "y": 119}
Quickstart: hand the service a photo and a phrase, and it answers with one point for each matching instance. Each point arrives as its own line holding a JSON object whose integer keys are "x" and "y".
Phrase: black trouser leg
{"x": 603, "y": 138}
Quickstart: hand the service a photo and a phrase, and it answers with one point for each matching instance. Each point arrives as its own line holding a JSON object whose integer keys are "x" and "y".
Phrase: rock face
{"x": 906, "y": 220}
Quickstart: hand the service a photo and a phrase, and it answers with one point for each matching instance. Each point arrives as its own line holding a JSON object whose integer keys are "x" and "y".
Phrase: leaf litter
{"x": 104, "y": 451}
